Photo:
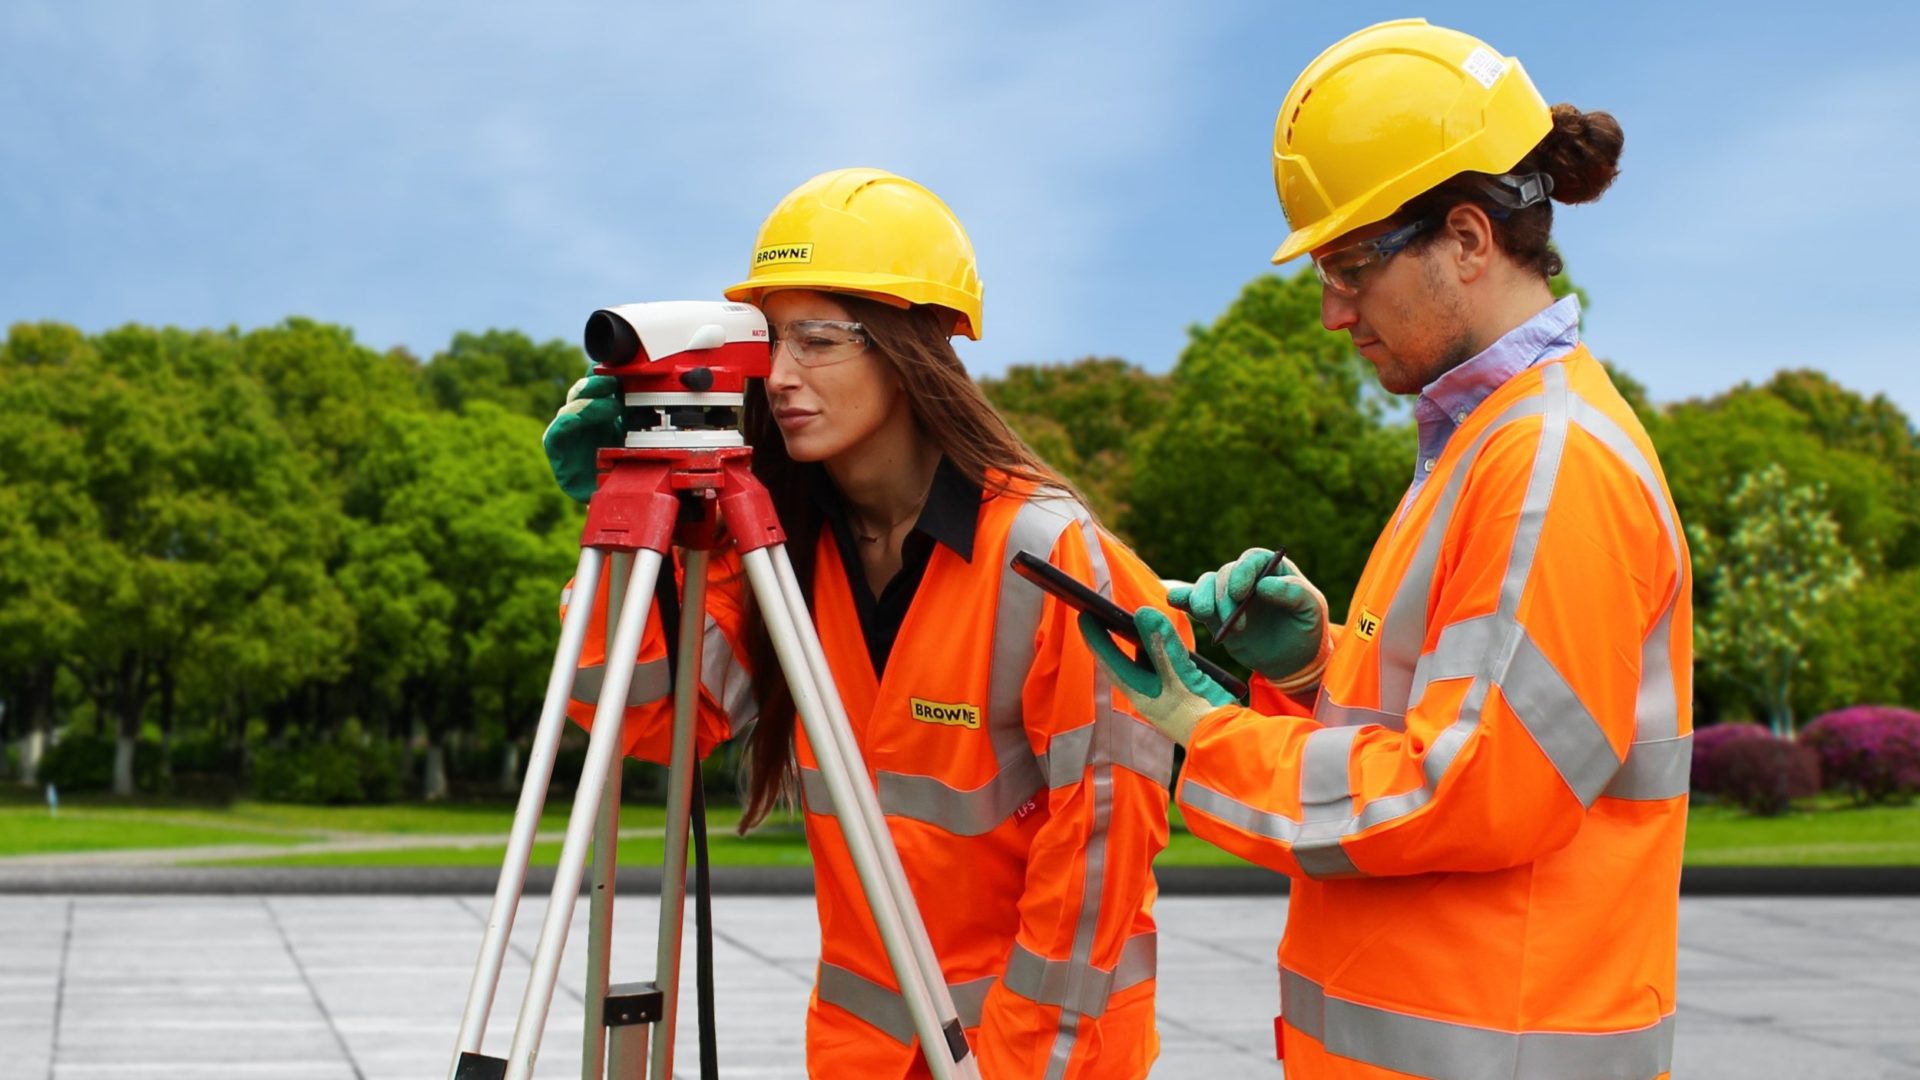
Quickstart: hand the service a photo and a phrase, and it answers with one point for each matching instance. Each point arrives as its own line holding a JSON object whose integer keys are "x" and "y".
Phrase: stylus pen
{"x": 1239, "y": 616}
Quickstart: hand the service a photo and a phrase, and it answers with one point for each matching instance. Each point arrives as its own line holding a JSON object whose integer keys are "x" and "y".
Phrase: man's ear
{"x": 1471, "y": 230}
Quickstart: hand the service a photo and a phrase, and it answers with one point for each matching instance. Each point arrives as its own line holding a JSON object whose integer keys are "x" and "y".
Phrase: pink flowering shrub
{"x": 1872, "y": 751}
{"x": 1763, "y": 776}
{"x": 1707, "y": 777}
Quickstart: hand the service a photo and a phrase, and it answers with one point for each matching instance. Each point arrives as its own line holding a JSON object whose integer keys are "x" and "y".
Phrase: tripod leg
{"x": 603, "y": 750}
{"x": 842, "y": 775}
{"x": 606, "y": 847}
{"x": 683, "y": 771}
{"x": 526, "y": 815}
{"x": 869, "y": 808}
{"x": 606, "y": 842}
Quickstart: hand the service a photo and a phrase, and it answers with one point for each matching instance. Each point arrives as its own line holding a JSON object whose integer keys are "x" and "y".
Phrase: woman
{"x": 1026, "y": 806}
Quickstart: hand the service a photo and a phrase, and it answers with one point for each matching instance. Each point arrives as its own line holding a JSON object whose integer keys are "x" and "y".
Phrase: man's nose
{"x": 1337, "y": 312}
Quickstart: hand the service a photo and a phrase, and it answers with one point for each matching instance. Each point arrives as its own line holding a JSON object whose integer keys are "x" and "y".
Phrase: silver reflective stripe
{"x": 958, "y": 811}
{"x": 814, "y": 792}
{"x": 1085, "y": 990}
{"x": 1444, "y": 1050}
{"x": 1333, "y": 714}
{"x": 726, "y": 680}
{"x": 1492, "y": 650}
{"x": 1547, "y": 707}
{"x": 1318, "y": 849}
{"x": 885, "y": 1009}
{"x": 1403, "y": 631}
{"x": 1037, "y": 527}
{"x": 1109, "y": 739}
{"x": 1324, "y": 779}
{"x": 1113, "y": 738}
{"x": 1100, "y": 782}
{"x": 566, "y": 595}
{"x": 1658, "y": 762}
{"x": 651, "y": 683}
{"x": 1655, "y": 769}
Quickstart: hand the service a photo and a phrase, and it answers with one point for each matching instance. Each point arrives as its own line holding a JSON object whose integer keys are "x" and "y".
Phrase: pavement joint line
{"x": 266, "y": 904}
{"x": 1215, "y": 946}
{"x": 760, "y": 956}
{"x": 1786, "y": 967}
{"x": 60, "y": 992}
{"x": 1846, "y": 930}
{"x": 1810, "y": 1034}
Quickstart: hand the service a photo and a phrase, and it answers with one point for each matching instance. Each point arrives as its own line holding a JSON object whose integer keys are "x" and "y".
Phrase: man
{"x": 1478, "y": 785}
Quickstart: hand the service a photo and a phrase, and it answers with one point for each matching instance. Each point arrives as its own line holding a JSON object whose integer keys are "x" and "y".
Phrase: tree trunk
{"x": 132, "y": 678}
{"x": 433, "y": 779}
{"x": 166, "y": 725}
{"x": 510, "y": 767}
{"x": 38, "y": 721}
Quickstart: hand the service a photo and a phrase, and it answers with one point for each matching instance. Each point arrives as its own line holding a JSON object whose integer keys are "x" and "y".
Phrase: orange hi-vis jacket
{"x": 1027, "y": 802}
{"x": 1483, "y": 816}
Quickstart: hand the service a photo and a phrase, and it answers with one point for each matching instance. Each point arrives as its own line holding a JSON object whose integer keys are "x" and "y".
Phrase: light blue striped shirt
{"x": 1448, "y": 400}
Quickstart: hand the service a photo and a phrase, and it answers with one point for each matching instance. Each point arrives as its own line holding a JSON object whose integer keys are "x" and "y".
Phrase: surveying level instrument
{"x": 684, "y": 470}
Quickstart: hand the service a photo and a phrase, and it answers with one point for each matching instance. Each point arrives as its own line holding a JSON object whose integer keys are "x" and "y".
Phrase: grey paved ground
{"x": 291, "y": 988}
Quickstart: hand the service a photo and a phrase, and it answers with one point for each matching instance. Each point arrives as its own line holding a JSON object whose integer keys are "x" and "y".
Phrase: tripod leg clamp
{"x": 633, "y": 1003}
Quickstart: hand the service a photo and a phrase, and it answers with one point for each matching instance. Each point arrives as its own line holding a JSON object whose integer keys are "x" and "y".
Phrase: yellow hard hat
{"x": 1388, "y": 113}
{"x": 869, "y": 232}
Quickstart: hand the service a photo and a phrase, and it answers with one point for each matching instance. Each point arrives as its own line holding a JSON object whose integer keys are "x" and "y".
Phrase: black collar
{"x": 951, "y": 515}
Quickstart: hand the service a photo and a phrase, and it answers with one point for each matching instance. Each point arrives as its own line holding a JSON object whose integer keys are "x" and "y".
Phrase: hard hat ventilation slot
{"x": 1291, "y": 120}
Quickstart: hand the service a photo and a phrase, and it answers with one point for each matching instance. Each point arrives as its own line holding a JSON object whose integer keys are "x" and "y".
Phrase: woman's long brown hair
{"x": 949, "y": 409}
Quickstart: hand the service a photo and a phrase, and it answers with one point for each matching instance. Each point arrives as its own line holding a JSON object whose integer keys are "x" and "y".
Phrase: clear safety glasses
{"x": 1345, "y": 270}
{"x": 819, "y": 342}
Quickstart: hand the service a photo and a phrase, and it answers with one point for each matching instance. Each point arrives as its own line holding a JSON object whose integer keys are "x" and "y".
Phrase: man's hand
{"x": 1283, "y": 634}
{"x": 588, "y": 421}
{"x": 1163, "y": 683}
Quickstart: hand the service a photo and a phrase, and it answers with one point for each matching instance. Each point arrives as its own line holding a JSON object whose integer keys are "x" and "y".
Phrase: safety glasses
{"x": 1345, "y": 270}
{"x": 819, "y": 342}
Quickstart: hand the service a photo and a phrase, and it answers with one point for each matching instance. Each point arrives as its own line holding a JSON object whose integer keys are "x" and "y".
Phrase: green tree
{"x": 506, "y": 368}
{"x": 1081, "y": 418}
{"x": 1774, "y": 582}
{"x": 44, "y": 516}
{"x": 462, "y": 531}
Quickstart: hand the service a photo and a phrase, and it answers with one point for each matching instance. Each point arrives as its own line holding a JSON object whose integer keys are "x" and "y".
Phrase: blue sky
{"x": 415, "y": 169}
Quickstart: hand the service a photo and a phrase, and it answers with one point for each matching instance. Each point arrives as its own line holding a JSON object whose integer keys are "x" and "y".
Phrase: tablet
{"x": 1117, "y": 620}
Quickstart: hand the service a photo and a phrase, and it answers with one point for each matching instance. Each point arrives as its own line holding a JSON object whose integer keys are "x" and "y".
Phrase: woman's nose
{"x": 786, "y": 370}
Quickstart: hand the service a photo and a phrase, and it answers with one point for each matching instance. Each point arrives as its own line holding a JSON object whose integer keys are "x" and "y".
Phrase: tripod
{"x": 650, "y": 499}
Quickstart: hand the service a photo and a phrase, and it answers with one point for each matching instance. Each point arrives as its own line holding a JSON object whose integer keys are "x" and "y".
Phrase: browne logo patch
{"x": 1367, "y": 625}
{"x": 775, "y": 254}
{"x": 935, "y": 712}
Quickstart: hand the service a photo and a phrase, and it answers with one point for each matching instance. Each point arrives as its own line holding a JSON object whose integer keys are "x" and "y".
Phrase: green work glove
{"x": 1283, "y": 635}
{"x": 1163, "y": 684}
{"x": 588, "y": 421}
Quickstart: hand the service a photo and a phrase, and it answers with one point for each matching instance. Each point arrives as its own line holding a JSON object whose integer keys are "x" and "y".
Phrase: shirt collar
{"x": 1554, "y": 330}
{"x": 950, "y": 517}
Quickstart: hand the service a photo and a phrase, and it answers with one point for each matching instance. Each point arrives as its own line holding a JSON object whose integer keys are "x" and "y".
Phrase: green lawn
{"x": 34, "y": 832}
{"x": 1825, "y": 832}
{"x": 780, "y": 845}
{"x": 1835, "y": 835}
